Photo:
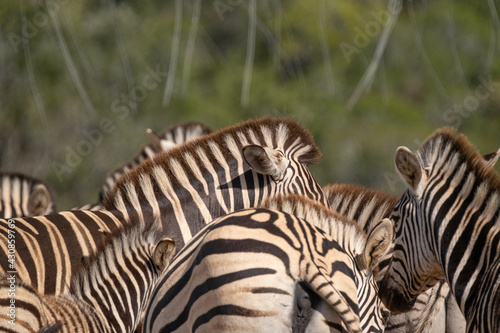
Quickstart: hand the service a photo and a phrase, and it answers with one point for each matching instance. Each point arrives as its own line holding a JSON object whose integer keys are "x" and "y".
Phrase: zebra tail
{"x": 336, "y": 289}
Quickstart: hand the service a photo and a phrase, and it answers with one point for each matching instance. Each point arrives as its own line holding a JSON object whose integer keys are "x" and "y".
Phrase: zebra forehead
{"x": 446, "y": 143}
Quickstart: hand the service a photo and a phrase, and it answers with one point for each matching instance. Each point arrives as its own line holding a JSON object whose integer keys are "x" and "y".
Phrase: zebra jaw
{"x": 394, "y": 300}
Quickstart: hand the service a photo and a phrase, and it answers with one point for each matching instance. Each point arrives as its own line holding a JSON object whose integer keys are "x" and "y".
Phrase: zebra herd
{"x": 228, "y": 231}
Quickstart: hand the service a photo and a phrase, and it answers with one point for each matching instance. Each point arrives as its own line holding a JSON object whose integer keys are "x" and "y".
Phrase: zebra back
{"x": 45, "y": 251}
{"x": 249, "y": 264}
{"x": 164, "y": 141}
{"x": 107, "y": 295}
{"x": 449, "y": 216}
{"x": 22, "y": 195}
{"x": 231, "y": 169}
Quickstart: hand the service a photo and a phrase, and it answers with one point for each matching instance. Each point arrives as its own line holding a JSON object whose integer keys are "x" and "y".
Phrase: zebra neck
{"x": 117, "y": 282}
{"x": 466, "y": 231}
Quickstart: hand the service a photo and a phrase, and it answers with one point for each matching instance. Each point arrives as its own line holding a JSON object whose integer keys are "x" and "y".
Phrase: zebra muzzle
{"x": 393, "y": 299}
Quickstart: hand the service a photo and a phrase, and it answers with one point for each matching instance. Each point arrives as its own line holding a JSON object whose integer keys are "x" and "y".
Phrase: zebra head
{"x": 414, "y": 267}
{"x": 431, "y": 176}
{"x": 283, "y": 155}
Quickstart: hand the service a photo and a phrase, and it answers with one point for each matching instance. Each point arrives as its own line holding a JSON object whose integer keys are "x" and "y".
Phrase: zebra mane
{"x": 364, "y": 205}
{"x": 449, "y": 149}
{"x": 119, "y": 244}
{"x": 342, "y": 229}
{"x": 191, "y": 129}
{"x": 274, "y": 132}
{"x": 22, "y": 177}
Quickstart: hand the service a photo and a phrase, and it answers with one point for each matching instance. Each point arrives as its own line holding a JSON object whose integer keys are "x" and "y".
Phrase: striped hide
{"x": 447, "y": 226}
{"x": 47, "y": 250}
{"x": 234, "y": 168}
{"x": 341, "y": 229}
{"x": 434, "y": 311}
{"x": 107, "y": 295}
{"x": 263, "y": 270}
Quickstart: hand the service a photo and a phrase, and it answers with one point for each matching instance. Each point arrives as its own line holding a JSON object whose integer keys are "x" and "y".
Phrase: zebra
{"x": 164, "y": 141}
{"x": 435, "y": 310}
{"x": 330, "y": 220}
{"x": 367, "y": 207}
{"x": 232, "y": 169}
{"x": 73, "y": 235}
{"x": 46, "y": 251}
{"x": 265, "y": 270}
{"x": 22, "y": 195}
{"x": 107, "y": 295}
{"x": 446, "y": 226}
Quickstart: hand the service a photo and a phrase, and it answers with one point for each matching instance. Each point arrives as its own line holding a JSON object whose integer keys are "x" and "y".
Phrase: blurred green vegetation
{"x": 69, "y": 68}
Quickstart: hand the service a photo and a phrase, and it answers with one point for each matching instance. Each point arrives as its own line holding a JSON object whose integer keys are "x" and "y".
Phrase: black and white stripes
{"x": 164, "y": 141}
{"x": 234, "y": 168}
{"x": 108, "y": 294}
{"x": 262, "y": 270}
{"x": 447, "y": 226}
{"x": 50, "y": 249}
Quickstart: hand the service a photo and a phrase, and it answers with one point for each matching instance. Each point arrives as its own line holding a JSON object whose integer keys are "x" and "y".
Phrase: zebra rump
{"x": 260, "y": 270}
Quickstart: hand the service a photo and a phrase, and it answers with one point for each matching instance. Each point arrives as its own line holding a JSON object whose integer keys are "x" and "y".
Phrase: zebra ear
{"x": 153, "y": 138}
{"x": 39, "y": 200}
{"x": 158, "y": 143}
{"x": 377, "y": 243}
{"x": 266, "y": 161}
{"x": 491, "y": 159}
{"x": 408, "y": 167}
{"x": 164, "y": 252}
